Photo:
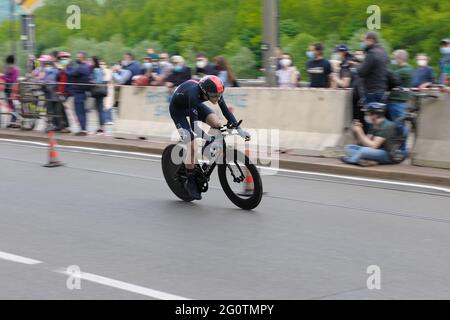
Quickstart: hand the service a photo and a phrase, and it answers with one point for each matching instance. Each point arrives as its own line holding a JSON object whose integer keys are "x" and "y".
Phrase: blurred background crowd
{"x": 369, "y": 70}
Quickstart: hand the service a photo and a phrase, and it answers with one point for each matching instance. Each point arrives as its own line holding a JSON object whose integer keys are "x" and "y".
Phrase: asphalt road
{"x": 312, "y": 237}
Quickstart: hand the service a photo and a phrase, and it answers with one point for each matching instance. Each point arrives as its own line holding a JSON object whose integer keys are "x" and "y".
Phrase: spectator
{"x": 344, "y": 78}
{"x": 10, "y": 78}
{"x": 376, "y": 147}
{"x": 279, "y": 55}
{"x": 63, "y": 59}
{"x": 38, "y": 72}
{"x": 355, "y": 60}
{"x": 121, "y": 75}
{"x": 164, "y": 63}
{"x": 31, "y": 63}
{"x": 146, "y": 77}
{"x": 288, "y": 76}
{"x": 310, "y": 53}
{"x": 165, "y": 69}
{"x": 151, "y": 62}
{"x": 226, "y": 74}
{"x": 444, "y": 64}
{"x": 100, "y": 94}
{"x": 204, "y": 67}
{"x": 180, "y": 73}
{"x": 359, "y": 55}
{"x": 373, "y": 71}
{"x": 80, "y": 74}
{"x": 108, "y": 102}
{"x": 129, "y": 69}
{"x": 397, "y": 100}
{"x": 319, "y": 69}
{"x": 423, "y": 76}
{"x": 50, "y": 88}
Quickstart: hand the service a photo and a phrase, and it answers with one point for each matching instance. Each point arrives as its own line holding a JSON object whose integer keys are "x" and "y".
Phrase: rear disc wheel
{"x": 174, "y": 170}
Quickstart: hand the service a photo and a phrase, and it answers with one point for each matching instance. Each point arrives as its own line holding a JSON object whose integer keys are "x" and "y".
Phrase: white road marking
{"x": 398, "y": 183}
{"x": 124, "y": 286}
{"x": 98, "y": 279}
{"x": 345, "y": 177}
{"x": 16, "y": 258}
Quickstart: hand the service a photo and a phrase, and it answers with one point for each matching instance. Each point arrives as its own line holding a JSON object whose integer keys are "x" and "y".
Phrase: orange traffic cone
{"x": 53, "y": 154}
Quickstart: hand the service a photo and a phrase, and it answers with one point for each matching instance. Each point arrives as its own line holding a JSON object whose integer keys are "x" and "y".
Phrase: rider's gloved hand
{"x": 244, "y": 134}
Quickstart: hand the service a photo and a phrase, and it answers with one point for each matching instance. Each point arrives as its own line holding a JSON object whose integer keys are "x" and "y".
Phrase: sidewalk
{"x": 401, "y": 172}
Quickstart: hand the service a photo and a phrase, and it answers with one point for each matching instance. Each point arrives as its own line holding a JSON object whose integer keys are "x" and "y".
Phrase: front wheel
{"x": 240, "y": 180}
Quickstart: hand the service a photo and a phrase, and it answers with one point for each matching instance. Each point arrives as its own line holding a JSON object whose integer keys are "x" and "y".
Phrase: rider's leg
{"x": 191, "y": 158}
{"x": 213, "y": 121}
{"x": 187, "y": 137}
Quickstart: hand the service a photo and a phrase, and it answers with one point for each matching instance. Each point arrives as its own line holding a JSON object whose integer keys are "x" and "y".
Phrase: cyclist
{"x": 188, "y": 101}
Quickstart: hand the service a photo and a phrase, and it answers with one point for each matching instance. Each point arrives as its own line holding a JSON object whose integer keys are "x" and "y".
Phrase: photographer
{"x": 344, "y": 78}
{"x": 375, "y": 147}
{"x": 357, "y": 85}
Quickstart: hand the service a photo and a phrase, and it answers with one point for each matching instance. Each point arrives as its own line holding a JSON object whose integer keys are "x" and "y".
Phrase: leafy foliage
{"x": 233, "y": 27}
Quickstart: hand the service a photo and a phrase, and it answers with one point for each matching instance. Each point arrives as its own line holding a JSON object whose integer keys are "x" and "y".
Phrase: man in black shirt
{"x": 319, "y": 69}
{"x": 373, "y": 71}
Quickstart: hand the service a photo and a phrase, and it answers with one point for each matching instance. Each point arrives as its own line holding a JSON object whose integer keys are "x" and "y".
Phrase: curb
{"x": 290, "y": 164}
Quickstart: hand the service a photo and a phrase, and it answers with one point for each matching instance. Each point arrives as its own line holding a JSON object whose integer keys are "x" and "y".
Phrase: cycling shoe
{"x": 192, "y": 188}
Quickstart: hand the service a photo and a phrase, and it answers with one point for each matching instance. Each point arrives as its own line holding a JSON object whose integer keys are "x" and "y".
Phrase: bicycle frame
{"x": 204, "y": 171}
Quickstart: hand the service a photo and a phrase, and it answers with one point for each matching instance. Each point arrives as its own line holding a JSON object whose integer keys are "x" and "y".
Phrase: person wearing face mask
{"x": 129, "y": 68}
{"x": 373, "y": 70}
{"x": 10, "y": 78}
{"x": 49, "y": 86}
{"x": 99, "y": 92}
{"x": 397, "y": 100}
{"x": 165, "y": 69}
{"x": 377, "y": 146}
{"x": 146, "y": 78}
{"x": 444, "y": 64}
{"x": 79, "y": 76}
{"x": 180, "y": 73}
{"x": 319, "y": 69}
{"x": 151, "y": 62}
{"x": 423, "y": 76}
{"x": 62, "y": 93}
{"x": 344, "y": 78}
{"x": 204, "y": 67}
{"x": 288, "y": 76}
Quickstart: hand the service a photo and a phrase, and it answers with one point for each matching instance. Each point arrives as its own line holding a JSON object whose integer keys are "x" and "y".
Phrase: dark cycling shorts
{"x": 179, "y": 118}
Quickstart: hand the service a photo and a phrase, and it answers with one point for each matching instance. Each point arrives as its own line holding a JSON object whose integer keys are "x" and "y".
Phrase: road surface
{"x": 312, "y": 237}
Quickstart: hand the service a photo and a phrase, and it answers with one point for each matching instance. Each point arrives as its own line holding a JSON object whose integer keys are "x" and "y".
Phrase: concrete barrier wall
{"x": 310, "y": 121}
{"x": 432, "y": 147}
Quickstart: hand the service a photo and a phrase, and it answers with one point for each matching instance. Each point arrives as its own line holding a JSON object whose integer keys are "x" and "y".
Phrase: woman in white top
{"x": 288, "y": 76}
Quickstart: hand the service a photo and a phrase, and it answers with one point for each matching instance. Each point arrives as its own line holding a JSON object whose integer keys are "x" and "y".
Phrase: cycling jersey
{"x": 187, "y": 101}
